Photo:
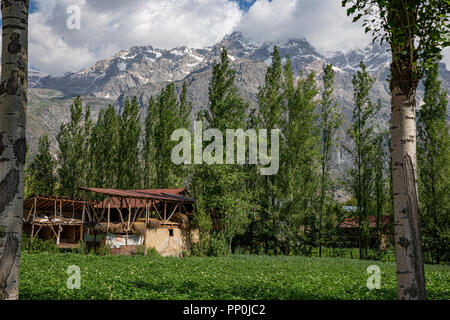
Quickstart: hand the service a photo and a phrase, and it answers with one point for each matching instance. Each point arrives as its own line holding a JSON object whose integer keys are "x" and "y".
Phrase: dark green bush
{"x": 38, "y": 245}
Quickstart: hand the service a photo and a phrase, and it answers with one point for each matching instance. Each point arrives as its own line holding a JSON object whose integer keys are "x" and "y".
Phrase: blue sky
{"x": 33, "y": 7}
{"x": 245, "y": 4}
{"x": 108, "y": 26}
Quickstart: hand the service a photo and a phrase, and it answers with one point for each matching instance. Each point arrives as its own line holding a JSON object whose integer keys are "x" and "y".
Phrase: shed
{"x": 50, "y": 217}
{"x": 158, "y": 218}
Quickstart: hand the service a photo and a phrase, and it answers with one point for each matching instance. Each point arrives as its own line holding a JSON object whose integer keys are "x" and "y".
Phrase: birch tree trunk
{"x": 408, "y": 245}
{"x": 13, "y": 101}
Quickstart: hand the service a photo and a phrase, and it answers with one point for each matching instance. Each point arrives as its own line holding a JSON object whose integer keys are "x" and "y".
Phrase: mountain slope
{"x": 143, "y": 70}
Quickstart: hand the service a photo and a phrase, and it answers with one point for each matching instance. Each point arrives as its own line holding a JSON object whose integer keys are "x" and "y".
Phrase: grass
{"x": 43, "y": 276}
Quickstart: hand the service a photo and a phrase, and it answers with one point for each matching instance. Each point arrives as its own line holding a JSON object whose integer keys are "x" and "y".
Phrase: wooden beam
{"x": 175, "y": 208}
{"x": 51, "y": 226}
{"x": 120, "y": 213}
{"x": 140, "y": 211}
{"x": 34, "y": 217}
{"x": 104, "y": 210}
{"x": 165, "y": 212}
{"x": 37, "y": 232}
{"x": 31, "y": 209}
{"x": 109, "y": 216}
{"x": 129, "y": 217}
{"x": 154, "y": 206}
{"x": 82, "y": 217}
{"x": 58, "y": 238}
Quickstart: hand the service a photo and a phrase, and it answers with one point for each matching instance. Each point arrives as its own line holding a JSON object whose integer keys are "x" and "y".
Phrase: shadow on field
{"x": 194, "y": 290}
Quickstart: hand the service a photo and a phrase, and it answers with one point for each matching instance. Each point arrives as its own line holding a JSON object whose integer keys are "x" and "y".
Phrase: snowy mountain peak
{"x": 141, "y": 65}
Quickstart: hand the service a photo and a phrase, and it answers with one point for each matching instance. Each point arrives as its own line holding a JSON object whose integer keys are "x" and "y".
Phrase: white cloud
{"x": 446, "y": 58}
{"x": 109, "y": 26}
{"x": 322, "y": 22}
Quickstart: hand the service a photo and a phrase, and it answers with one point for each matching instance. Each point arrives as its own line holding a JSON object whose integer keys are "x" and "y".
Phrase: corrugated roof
{"x": 155, "y": 194}
{"x": 352, "y": 222}
{"x": 175, "y": 191}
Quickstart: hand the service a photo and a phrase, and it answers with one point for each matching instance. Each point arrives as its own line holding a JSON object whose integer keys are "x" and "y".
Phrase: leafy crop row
{"x": 43, "y": 276}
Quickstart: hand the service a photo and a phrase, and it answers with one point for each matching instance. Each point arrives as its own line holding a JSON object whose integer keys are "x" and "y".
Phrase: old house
{"x": 148, "y": 218}
{"x": 378, "y": 233}
{"x": 58, "y": 218}
{"x": 124, "y": 220}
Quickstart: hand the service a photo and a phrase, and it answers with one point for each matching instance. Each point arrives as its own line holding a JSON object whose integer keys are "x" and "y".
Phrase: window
{"x": 171, "y": 232}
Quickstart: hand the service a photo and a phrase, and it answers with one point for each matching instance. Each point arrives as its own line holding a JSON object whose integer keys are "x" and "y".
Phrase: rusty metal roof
{"x": 352, "y": 222}
{"x": 173, "y": 191}
{"x": 155, "y": 194}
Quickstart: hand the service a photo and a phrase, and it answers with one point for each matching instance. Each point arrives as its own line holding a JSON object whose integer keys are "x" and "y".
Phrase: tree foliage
{"x": 40, "y": 174}
{"x": 416, "y": 30}
{"x": 434, "y": 176}
{"x": 73, "y": 152}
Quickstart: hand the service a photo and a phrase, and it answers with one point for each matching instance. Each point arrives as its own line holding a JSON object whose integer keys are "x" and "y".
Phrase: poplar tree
{"x": 40, "y": 173}
{"x": 433, "y": 150}
{"x": 149, "y": 150}
{"x": 361, "y": 151}
{"x": 329, "y": 121}
{"x": 301, "y": 153}
{"x": 73, "y": 152}
{"x": 129, "y": 168}
{"x": 224, "y": 185}
{"x": 417, "y": 32}
{"x": 164, "y": 116}
{"x": 104, "y": 143}
{"x": 270, "y": 115}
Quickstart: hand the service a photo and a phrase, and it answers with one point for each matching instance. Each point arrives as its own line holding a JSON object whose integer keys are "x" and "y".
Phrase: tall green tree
{"x": 104, "y": 143}
{"x": 270, "y": 115}
{"x": 301, "y": 159}
{"x": 164, "y": 116}
{"x": 416, "y": 31}
{"x": 223, "y": 185}
{"x": 330, "y": 120}
{"x": 433, "y": 151}
{"x": 40, "y": 173}
{"x": 361, "y": 151}
{"x": 381, "y": 182}
{"x": 73, "y": 155}
{"x": 149, "y": 146}
{"x": 129, "y": 166}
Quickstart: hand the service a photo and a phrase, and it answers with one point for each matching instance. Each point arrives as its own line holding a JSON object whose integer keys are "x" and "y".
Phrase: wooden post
{"x": 34, "y": 216}
{"x": 128, "y": 224}
{"x": 146, "y": 223}
{"x": 54, "y": 218}
{"x": 58, "y": 239}
{"x": 109, "y": 216}
{"x": 82, "y": 217}
{"x": 165, "y": 212}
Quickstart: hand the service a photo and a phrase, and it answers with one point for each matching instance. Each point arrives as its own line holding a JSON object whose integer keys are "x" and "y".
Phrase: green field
{"x": 43, "y": 276}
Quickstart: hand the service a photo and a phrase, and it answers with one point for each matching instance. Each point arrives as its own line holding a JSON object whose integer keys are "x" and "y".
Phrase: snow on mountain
{"x": 143, "y": 71}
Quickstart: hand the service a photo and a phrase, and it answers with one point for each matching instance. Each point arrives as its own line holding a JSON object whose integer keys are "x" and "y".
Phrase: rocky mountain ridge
{"x": 143, "y": 71}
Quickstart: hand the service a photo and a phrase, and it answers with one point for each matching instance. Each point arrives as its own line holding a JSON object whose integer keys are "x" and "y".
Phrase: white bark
{"x": 13, "y": 101}
{"x": 408, "y": 247}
